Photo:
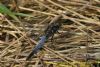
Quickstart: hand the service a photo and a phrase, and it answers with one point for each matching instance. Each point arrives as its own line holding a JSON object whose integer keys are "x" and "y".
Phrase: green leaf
{"x": 5, "y": 10}
{"x": 23, "y": 15}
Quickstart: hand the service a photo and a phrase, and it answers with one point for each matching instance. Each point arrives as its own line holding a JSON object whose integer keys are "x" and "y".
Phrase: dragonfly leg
{"x": 58, "y": 32}
{"x": 52, "y": 40}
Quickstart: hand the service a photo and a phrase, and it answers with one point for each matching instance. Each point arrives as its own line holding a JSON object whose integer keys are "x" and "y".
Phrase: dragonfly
{"x": 52, "y": 28}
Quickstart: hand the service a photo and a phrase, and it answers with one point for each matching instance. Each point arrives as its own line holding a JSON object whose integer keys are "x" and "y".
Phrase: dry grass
{"x": 78, "y": 37}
